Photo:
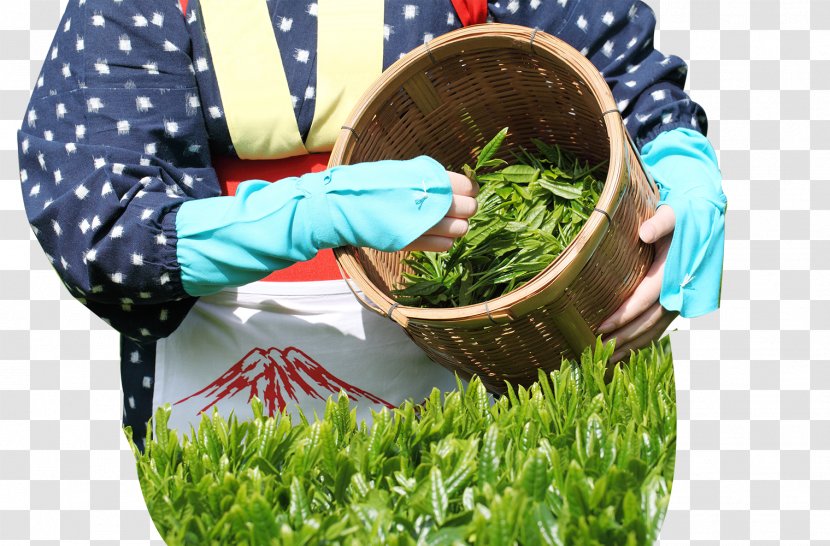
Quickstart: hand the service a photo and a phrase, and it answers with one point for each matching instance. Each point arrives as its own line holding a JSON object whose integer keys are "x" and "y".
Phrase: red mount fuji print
{"x": 277, "y": 376}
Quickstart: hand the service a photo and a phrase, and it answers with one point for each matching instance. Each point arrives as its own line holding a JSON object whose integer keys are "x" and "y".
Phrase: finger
{"x": 639, "y": 325}
{"x": 430, "y": 243}
{"x": 449, "y": 227}
{"x": 643, "y": 297}
{"x": 462, "y": 207}
{"x": 461, "y": 185}
{"x": 659, "y": 225}
{"x": 644, "y": 340}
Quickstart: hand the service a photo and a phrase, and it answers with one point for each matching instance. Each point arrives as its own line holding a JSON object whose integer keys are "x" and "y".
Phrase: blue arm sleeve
{"x": 230, "y": 241}
{"x": 685, "y": 168}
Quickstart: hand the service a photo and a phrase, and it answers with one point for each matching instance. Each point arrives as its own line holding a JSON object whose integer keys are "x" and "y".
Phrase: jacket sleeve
{"x": 112, "y": 143}
{"x": 618, "y": 38}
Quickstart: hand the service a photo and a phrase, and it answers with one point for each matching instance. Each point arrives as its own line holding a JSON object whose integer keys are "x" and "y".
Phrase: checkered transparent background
{"x": 753, "y": 458}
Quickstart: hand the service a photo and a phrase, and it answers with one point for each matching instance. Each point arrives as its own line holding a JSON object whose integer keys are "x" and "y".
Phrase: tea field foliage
{"x": 572, "y": 459}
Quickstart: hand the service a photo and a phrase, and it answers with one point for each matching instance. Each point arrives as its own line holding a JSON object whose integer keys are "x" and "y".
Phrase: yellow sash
{"x": 252, "y": 82}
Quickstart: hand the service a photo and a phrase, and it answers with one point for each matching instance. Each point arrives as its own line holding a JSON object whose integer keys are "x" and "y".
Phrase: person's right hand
{"x": 455, "y": 223}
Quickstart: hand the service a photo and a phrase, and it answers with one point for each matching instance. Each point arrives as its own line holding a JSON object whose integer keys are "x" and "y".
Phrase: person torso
{"x": 299, "y": 336}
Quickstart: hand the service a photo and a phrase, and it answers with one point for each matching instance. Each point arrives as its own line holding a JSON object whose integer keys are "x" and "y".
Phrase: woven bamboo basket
{"x": 447, "y": 99}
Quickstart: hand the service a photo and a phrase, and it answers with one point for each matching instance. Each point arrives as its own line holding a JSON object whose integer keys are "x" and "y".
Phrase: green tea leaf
{"x": 491, "y": 148}
{"x": 565, "y": 191}
{"x": 520, "y": 174}
{"x": 438, "y": 495}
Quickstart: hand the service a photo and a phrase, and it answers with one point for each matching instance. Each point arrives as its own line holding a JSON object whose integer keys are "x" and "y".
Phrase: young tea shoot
{"x": 528, "y": 213}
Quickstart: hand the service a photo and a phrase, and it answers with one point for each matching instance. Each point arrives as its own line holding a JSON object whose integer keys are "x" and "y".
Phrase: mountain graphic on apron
{"x": 277, "y": 376}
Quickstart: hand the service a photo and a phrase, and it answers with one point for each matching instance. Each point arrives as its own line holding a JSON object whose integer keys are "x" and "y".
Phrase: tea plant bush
{"x": 569, "y": 460}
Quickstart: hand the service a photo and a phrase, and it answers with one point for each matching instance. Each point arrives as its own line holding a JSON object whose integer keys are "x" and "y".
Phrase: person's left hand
{"x": 635, "y": 320}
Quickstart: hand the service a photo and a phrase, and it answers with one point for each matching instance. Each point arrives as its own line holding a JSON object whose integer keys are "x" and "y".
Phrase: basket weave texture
{"x": 447, "y": 99}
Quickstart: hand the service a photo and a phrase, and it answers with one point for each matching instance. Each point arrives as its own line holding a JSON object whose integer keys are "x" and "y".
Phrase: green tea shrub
{"x": 571, "y": 460}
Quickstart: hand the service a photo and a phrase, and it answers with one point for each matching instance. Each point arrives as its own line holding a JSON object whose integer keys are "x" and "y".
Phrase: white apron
{"x": 292, "y": 344}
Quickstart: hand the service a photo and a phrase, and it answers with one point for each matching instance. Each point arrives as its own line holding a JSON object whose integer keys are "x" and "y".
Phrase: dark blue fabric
{"x": 126, "y": 113}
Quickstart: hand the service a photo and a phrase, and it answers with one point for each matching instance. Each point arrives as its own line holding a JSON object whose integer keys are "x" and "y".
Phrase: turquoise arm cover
{"x": 685, "y": 168}
{"x": 231, "y": 241}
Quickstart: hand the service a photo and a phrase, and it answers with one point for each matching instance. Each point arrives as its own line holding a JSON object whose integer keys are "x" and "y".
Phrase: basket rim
{"x": 552, "y": 282}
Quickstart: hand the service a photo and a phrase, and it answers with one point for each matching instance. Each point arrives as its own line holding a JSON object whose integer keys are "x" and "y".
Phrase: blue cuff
{"x": 231, "y": 241}
{"x": 684, "y": 165}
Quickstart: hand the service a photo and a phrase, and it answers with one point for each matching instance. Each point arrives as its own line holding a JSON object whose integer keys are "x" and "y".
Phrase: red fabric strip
{"x": 184, "y": 5}
{"x": 471, "y": 12}
{"x": 233, "y": 172}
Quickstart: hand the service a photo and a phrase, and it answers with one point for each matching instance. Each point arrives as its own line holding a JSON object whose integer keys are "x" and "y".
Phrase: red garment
{"x": 471, "y": 12}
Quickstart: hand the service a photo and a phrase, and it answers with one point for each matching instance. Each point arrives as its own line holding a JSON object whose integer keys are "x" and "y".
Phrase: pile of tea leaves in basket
{"x": 569, "y": 460}
{"x": 528, "y": 212}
